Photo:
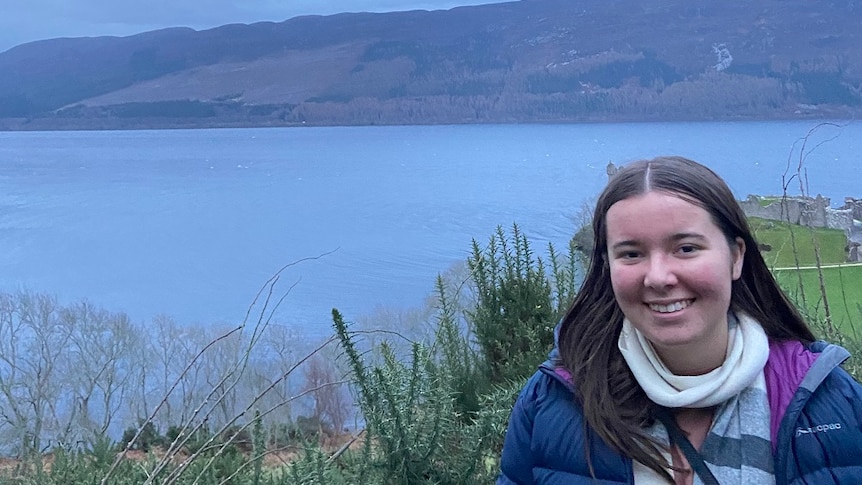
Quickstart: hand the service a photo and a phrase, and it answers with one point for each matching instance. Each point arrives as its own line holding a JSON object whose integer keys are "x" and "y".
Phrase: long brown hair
{"x": 615, "y": 407}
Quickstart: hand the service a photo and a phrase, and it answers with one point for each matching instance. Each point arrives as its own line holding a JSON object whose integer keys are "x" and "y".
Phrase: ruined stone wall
{"x": 816, "y": 209}
{"x": 805, "y": 211}
{"x": 855, "y": 207}
{"x": 788, "y": 210}
{"x": 840, "y": 219}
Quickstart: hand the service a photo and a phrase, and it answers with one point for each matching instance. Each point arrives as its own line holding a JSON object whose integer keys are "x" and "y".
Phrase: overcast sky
{"x": 28, "y": 20}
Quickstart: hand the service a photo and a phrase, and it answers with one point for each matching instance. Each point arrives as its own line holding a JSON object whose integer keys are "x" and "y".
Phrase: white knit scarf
{"x": 737, "y": 448}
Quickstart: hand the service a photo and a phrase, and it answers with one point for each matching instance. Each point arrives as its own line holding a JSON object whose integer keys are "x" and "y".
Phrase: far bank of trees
{"x": 607, "y": 87}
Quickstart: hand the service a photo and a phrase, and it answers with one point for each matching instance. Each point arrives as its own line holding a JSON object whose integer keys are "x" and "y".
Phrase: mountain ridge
{"x": 523, "y": 61}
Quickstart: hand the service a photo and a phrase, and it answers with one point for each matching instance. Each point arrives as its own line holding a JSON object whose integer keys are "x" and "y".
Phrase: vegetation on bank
{"x": 435, "y": 407}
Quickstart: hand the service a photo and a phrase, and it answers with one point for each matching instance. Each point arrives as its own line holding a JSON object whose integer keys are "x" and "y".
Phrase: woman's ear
{"x": 737, "y": 255}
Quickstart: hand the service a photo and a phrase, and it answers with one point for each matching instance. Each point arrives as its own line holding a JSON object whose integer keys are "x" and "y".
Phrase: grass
{"x": 767, "y": 201}
{"x": 843, "y": 292}
{"x": 776, "y": 236}
{"x": 799, "y": 276}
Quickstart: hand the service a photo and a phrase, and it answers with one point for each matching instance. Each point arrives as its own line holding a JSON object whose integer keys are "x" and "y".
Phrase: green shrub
{"x": 517, "y": 306}
{"x": 413, "y": 432}
{"x": 148, "y": 438}
{"x": 468, "y": 378}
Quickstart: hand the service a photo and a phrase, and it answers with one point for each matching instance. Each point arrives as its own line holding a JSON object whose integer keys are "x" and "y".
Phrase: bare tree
{"x": 169, "y": 349}
{"x": 277, "y": 354}
{"x": 100, "y": 358}
{"x": 32, "y": 339}
{"x": 13, "y": 411}
{"x": 326, "y": 387}
{"x": 222, "y": 372}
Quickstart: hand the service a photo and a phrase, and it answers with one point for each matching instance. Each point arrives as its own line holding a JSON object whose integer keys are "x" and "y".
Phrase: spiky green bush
{"x": 413, "y": 433}
{"x": 517, "y": 304}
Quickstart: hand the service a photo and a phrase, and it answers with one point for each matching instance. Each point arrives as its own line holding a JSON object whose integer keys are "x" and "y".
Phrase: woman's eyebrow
{"x": 687, "y": 235}
{"x": 627, "y": 242}
{"x": 675, "y": 237}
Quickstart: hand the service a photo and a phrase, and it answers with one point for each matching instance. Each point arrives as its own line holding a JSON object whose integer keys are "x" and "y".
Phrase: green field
{"x": 843, "y": 282}
{"x": 843, "y": 293}
{"x": 776, "y": 236}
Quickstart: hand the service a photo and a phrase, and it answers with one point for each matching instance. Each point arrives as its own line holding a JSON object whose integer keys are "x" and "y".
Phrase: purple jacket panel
{"x": 785, "y": 368}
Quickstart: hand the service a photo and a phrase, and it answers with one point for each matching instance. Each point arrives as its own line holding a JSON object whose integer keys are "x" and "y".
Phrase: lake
{"x": 190, "y": 224}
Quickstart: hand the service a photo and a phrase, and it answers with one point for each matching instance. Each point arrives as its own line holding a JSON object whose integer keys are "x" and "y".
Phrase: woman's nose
{"x": 659, "y": 273}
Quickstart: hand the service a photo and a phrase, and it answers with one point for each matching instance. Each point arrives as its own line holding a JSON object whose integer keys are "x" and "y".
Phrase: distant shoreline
{"x": 113, "y": 124}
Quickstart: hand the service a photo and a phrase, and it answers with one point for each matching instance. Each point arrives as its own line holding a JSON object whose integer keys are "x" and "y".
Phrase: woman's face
{"x": 671, "y": 271}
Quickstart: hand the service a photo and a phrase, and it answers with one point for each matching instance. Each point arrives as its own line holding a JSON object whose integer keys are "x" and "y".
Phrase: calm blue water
{"x": 191, "y": 223}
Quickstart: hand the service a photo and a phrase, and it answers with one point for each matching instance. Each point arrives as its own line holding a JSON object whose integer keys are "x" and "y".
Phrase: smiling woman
{"x": 671, "y": 271}
{"x": 681, "y": 359}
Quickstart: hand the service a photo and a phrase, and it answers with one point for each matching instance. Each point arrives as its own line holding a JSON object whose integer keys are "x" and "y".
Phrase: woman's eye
{"x": 687, "y": 249}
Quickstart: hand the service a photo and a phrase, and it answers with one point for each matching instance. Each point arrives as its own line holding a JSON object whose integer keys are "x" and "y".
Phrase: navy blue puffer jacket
{"x": 817, "y": 426}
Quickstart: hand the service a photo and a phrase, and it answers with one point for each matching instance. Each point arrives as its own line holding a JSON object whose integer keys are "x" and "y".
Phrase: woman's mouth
{"x": 671, "y": 307}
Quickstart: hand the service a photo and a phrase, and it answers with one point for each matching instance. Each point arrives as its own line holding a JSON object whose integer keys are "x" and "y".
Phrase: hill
{"x": 524, "y": 61}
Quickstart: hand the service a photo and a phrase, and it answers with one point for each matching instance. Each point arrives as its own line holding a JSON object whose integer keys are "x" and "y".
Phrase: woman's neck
{"x": 695, "y": 423}
{"x": 692, "y": 363}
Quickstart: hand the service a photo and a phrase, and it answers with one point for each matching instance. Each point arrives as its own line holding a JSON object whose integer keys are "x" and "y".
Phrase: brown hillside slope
{"x": 532, "y": 60}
